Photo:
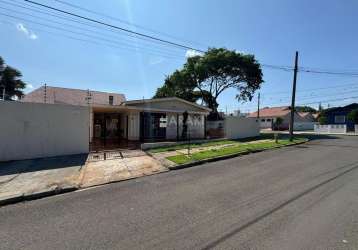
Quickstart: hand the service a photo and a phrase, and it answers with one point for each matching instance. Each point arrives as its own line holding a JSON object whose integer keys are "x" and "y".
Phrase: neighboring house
{"x": 268, "y": 116}
{"x": 78, "y": 97}
{"x": 338, "y": 115}
{"x": 114, "y": 120}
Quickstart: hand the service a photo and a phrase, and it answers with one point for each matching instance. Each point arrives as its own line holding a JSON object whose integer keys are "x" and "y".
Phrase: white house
{"x": 114, "y": 120}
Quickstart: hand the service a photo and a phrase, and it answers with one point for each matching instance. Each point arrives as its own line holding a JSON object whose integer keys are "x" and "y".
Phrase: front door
{"x": 106, "y": 130}
{"x": 151, "y": 128}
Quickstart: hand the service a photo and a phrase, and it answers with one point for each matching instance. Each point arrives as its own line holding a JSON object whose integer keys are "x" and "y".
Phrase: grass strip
{"x": 234, "y": 149}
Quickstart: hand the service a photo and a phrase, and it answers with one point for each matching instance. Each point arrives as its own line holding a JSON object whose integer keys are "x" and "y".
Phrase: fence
{"x": 299, "y": 126}
{"x": 215, "y": 129}
{"x": 233, "y": 127}
{"x": 331, "y": 129}
{"x": 240, "y": 127}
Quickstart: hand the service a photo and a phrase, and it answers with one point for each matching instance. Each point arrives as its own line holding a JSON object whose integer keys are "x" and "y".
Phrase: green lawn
{"x": 193, "y": 145}
{"x": 234, "y": 149}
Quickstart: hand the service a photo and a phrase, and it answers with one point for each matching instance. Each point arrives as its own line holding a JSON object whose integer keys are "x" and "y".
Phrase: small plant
{"x": 276, "y": 137}
{"x": 322, "y": 118}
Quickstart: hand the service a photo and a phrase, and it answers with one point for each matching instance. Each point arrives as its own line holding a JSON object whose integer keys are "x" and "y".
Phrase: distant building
{"x": 268, "y": 116}
{"x": 78, "y": 97}
{"x": 338, "y": 115}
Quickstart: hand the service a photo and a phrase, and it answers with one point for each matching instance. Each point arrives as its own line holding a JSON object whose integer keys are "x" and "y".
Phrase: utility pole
{"x": 3, "y": 92}
{"x": 258, "y": 106}
{"x": 292, "y": 118}
{"x": 45, "y": 93}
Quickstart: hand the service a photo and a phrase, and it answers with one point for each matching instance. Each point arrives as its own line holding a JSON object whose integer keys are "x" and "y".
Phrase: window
{"x": 339, "y": 119}
{"x": 268, "y": 120}
{"x": 262, "y": 120}
{"x": 110, "y": 100}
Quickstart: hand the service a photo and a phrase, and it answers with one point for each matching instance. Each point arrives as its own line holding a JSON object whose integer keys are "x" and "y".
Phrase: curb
{"x": 40, "y": 195}
{"x": 57, "y": 191}
{"x": 35, "y": 196}
{"x": 225, "y": 157}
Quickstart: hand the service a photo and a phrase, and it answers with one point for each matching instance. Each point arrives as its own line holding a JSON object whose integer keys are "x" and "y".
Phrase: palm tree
{"x": 10, "y": 81}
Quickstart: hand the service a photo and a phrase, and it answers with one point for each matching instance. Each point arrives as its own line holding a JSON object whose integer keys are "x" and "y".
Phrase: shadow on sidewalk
{"x": 33, "y": 165}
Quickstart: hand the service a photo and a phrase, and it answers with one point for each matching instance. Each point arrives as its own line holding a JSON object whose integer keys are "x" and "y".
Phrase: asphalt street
{"x": 299, "y": 197}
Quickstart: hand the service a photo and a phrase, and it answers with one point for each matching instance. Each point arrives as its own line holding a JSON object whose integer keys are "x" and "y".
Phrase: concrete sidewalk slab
{"x": 102, "y": 172}
{"x": 19, "y": 179}
{"x": 31, "y": 179}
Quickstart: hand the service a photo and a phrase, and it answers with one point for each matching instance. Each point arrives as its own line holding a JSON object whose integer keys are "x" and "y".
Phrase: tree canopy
{"x": 353, "y": 116}
{"x": 305, "y": 109}
{"x": 205, "y": 77}
{"x": 322, "y": 118}
{"x": 10, "y": 80}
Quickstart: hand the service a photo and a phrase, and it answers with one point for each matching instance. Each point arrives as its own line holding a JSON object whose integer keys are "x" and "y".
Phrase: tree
{"x": 353, "y": 116}
{"x": 305, "y": 109}
{"x": 205, "y": 77}
{"x": 278, "y": 123}
{"x": 322, "y": 118}
{"x": 10, "y": 80}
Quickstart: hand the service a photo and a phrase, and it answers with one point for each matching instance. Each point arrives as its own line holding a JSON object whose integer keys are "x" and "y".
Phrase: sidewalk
{"x": 28, "y": 179}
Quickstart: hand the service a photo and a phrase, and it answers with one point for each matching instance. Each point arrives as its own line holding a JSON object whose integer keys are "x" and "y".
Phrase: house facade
{"x": 268, "y": 117}
{"x": 339, "y": 115}
{"x": 115, "y": 121}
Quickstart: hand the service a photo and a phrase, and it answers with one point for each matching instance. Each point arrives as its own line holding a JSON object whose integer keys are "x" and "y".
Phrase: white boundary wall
{"x": 241, "y": 127}
{"x": 33, "y": 130}
{"x": 299, "y": 126}
{"x": 331, "y": 128}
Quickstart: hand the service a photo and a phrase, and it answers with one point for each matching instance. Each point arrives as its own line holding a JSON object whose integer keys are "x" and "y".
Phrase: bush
{"x": 322, "y": 118}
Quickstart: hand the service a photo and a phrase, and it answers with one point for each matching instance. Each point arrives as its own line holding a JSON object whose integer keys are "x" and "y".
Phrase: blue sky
{"x": 324, "y": 33}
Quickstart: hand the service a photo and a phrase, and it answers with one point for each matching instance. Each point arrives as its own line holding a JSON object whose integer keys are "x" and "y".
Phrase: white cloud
{"x": 192, "y": 53}
{"x": 29, "y": 86}
{"x": 31, "y": 35}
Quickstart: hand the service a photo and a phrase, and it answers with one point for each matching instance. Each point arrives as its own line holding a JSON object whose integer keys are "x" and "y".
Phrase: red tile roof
{"x": 272, "y": 112}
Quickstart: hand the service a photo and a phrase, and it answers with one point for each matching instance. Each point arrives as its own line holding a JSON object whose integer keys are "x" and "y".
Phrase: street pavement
{"x": 299, "y": 197}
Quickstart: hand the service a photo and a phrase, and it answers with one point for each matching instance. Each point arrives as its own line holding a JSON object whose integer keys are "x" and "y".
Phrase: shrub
{"x": 353, "y": 116}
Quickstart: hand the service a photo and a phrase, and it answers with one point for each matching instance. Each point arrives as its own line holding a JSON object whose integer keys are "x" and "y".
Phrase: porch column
{"x": 91, "y": 125}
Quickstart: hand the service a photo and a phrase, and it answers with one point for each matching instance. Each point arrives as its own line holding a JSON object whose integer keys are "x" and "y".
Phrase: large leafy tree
{"x": 10, "y": 80}
{"x": 179, "y": 84}
{"x": 206, "y": 76}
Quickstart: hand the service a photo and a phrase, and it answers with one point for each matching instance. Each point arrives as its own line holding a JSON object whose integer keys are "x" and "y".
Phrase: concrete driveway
{"x": 300, "y": 197}
{"x": 29, "y": 179}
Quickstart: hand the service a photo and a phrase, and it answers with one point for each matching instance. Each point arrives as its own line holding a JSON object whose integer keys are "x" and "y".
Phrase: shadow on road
{"x": 280, "y": 206}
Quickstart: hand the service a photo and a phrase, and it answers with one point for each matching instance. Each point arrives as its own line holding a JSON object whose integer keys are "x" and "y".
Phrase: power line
{"x": 329, "y": 100}
{"x": 281, "y": 103}
{"x": 122, "y": 21}
{"x": 69, "y": 19}
{"x": 116, "y": 27}
{"x": 78, "y": 33}
{"x": 320, "y": 88}
{"x": 329, "y": 72}
{"x": 142, "y": 35}
{"x": 102, "y": 37}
